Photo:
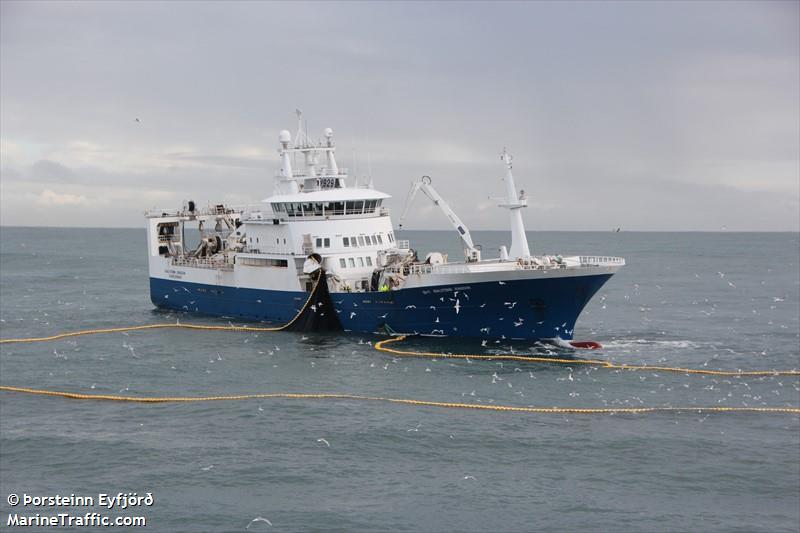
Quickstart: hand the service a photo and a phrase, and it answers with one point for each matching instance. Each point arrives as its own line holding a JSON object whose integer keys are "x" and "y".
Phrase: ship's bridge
{"x": 329, "y": 202}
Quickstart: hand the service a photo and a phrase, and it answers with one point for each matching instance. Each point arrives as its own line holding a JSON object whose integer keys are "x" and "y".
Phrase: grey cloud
{"x": 46, "y": 171}
{"x": 679, "y": 99}
{"x": 220, "y": 160}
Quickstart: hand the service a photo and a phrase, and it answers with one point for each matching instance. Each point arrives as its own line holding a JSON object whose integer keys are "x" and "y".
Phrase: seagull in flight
{"x": 325, "y": 442}
{"x": 258, "y": 519}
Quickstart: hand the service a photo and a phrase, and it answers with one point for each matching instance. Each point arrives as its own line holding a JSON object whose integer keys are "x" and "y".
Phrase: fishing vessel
{"x": 322, "y": 232}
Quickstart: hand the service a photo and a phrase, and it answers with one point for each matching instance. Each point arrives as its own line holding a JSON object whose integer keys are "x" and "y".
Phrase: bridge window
{"x": 342, "y": 263}
{"x": 319, "y": 242}
{"x": 361, "y": 261}
{"x": 354, "y": 242}
{"x": 263, "y": 262}
{"x": 361, "y": 241}
{"x": 327, "y": 242}
{"x": 351, "y": 262}
{"x": 369, "y": 261}
{"x": 346, "y": 241}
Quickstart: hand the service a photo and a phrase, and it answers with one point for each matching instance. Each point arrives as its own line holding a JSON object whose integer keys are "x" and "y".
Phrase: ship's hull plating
{"x": 516, "y": 309}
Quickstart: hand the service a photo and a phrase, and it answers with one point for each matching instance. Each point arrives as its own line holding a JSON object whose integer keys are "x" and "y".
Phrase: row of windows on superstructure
{"x": 351, "y": 262}
{"x": 355, "y": 242}
{"x": 277, "y": 241}
{"x": 318, "y": 209}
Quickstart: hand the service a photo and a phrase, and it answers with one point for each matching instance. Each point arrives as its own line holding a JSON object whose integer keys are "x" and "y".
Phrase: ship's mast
{"x": 289, "y": 180}
{"x": 514, "y": 203}
{"x": 285, "y": 182}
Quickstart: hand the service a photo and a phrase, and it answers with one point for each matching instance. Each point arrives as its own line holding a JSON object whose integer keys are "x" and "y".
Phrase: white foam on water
{"x": 633, "y": 343}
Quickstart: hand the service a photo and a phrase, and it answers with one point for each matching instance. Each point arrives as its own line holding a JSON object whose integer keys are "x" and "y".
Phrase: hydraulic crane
{"x": 471, "y": 252}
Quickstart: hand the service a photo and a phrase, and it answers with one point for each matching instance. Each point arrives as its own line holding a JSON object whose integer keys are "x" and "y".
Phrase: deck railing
{"x": 586, "y": 261}
{"x": 600, "y": 260}
{"x": 201, "y": 262}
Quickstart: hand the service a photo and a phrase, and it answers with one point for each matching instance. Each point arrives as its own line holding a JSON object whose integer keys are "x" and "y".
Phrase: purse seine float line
{"x": 381, "y": 346}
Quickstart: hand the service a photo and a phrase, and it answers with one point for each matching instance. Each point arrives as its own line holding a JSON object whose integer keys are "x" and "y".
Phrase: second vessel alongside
{"x": 260, "y": 262}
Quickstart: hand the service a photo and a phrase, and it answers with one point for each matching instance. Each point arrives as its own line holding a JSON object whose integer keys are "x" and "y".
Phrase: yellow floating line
{"x": 426, "y": 403}
{"x": 139, "y": 328}
{"x": 381, "y": 347}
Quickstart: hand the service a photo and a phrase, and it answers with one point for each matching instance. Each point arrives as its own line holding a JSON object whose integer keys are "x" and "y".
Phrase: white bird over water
{"x": 325, "y": 442}
{"x": 258, "y": 519}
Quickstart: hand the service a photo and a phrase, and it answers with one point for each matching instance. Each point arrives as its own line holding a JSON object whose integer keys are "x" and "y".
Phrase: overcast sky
{"x": 640, "y": 115}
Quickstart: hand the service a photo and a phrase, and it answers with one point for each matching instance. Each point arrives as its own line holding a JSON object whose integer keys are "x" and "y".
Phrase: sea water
{"x": 701, "y": 300}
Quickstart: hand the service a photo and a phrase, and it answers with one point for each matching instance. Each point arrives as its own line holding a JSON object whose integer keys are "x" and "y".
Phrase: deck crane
{"x": 471, "y": 252}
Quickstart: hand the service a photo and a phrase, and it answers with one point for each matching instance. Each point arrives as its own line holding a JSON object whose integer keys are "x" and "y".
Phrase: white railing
{"x": 599, "y": 260}
{"x": 499, "y": 266}
{"x": 201, "y": 262}
{"x": 204, "y": 211}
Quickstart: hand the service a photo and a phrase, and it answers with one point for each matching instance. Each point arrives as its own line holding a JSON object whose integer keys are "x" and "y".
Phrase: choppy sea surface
{"x": 700, "y": 300}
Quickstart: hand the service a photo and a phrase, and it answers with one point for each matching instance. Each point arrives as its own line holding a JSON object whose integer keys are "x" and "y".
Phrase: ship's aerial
{"x": 321, "y": 231}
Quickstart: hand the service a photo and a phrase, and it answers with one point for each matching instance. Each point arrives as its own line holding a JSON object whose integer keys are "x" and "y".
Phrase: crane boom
{"x": 424, "y": 184}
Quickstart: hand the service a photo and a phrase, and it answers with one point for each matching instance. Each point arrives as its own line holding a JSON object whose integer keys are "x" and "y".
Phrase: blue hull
{"x": 522, "y": 309}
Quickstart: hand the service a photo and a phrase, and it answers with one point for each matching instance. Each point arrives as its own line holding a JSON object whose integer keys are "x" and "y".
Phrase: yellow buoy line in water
{"x": 382, "y": 346}
{"x": 426, "y": 403}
